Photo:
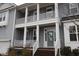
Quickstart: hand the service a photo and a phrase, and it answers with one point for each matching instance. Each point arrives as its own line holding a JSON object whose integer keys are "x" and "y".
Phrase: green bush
{"x": 12, "y": 52}
{"x": 66, "y": 51}
{"x": 19, "y": 52}
{"x": 0, "y": 54}
{"x": 58, "y": 52}
{"x": 26, "y": 52}
{"x": 75, "y": 52}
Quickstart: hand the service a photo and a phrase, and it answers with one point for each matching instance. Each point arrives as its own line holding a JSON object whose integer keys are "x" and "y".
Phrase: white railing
{"x": 31, "y": 18}
{"x": 42, "y": 16}
{"x": 30, "y": 43}
{"x": 20, "y": 20}
{"x": 18, "y": 43}
{"x": 35, "y": 47}
{"x": 47, "y": 15}
{"x": 50, "y": 14}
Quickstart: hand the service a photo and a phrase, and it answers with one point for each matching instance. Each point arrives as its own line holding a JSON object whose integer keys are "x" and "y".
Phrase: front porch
{"x": 47, "y": 36}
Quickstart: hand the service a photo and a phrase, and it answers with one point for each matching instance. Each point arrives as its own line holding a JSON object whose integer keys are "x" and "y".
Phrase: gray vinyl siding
{"x": 63, "y": 9}
{"x": 6, "y": 32}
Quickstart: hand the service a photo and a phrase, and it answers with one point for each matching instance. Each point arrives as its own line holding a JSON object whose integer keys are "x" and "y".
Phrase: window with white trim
{"x": 2, "y": 16}
{"x": 34, "y": 34}
{"x": 74, "y": 33}
{"x": 73, "y": 8}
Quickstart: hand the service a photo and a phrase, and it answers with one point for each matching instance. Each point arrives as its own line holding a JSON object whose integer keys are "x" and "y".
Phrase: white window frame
{"x": 72, "y": 7}
{"x": 75, "y": 32}
{"x": 4, "y": 14}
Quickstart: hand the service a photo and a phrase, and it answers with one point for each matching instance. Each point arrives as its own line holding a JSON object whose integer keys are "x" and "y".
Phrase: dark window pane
{"x": 0, "y": 19}
{"x": 72, "y": 29}
{"x": 45, "y": 36}
{"x": 34, "y": 37}
{"x": 78, "y": 36}
{"x": 49, "y": 9}
{"x": 73, "y": 5}
{"x": 3, "y": 18}
{"x": 78, "y": 28}
{"x": 73, "y": 11}
{"x": 73, "y": 37}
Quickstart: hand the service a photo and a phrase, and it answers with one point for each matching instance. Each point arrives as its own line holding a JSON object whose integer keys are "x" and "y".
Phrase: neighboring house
{"x": 7, "y": 11}
{"x": 41, "y": 25}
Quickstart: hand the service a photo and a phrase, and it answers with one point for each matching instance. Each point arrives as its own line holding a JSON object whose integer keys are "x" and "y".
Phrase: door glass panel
{"x": 50, "y": 38}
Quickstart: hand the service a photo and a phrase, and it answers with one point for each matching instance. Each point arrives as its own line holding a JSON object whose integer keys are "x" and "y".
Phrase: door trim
{"x": 45, "y": 43}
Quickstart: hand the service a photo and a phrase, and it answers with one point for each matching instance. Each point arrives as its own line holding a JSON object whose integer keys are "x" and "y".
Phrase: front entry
{"x": 49, "y": 37}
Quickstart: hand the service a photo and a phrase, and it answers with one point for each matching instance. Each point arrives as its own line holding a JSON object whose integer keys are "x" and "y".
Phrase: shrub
{"x": 19, "y": 52}
{"x": 66, "y": 51}
{"x": 0, "y": 54}
{"x": 58, "y": 52}
{"x": 75, "y": 52}
{"x": 26, "y": 52}
{"x": 12, "y": 52}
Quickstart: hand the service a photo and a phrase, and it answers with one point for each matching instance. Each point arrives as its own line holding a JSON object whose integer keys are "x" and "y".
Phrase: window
{"x": 49, "y": 9}
{"x": 0, "y": 19}
{"x": 74, "y": 34}
{"x": 72, "y": 31}
{"x": 73, "y": 5}
{"x": 2, "y": 16}
{"x": 73, "y": 8}
{"x": 34, "y": 34}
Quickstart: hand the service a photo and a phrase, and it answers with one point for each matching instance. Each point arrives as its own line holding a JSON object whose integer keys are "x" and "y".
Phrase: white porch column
{"x": 13, "y": 30}
{"x": 57, "y": 44}
{"x": 38, "y": 12}
{"x": 25, "y": 28}
{"x": 37, "y": 34}
{"x": 37, "y": 27}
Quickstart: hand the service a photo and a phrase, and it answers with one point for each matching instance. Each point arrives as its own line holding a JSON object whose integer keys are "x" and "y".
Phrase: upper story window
{"x": 2, "y": 16}
{"x": 0, "y": 19}
{"x": 73, "y": 8}
{"x": 49, "y": 9}
{"x": 74, "y": 33}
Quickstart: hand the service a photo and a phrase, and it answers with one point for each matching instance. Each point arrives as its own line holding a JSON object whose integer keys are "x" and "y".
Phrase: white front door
{"x": 49, "y": 38}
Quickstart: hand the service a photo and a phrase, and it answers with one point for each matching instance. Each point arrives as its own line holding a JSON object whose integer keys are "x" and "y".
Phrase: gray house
{"x": 39, "y": 26}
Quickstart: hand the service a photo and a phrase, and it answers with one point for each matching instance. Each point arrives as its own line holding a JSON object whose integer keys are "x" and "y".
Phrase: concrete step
{"x": 45, "y": 52}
